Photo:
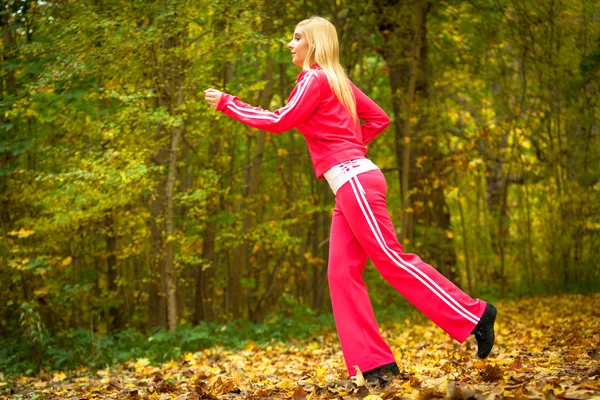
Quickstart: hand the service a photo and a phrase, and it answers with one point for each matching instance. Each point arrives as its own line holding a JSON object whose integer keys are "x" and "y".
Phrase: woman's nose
{"x": 289, "y": 45}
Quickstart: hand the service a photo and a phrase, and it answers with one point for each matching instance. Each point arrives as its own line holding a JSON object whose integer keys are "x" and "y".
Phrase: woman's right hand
{"x": 213, "y": 97}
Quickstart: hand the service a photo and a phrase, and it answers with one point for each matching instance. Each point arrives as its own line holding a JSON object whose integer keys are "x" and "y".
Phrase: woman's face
{"x": 298, "y": 47}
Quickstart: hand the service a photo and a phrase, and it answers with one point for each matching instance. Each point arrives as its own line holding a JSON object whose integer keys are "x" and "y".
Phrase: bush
{"x": 81, "y": 347}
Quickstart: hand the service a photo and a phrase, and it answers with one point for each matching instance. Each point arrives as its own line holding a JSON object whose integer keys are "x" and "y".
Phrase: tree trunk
{"x": 407, "y": 211}
{"x": 250, "y": 189}
{"x": 157, "y": 306}
{"x": 466, "y": 246}
{"x": 8, "y": 45}
{"x": 409, "y": 78}
{"x": 204, "y": 307}
{"x": 205, "y": 282}
{"x": 328, "y": 198}
{"x": 205, "y": 291}
{"x": 169, "y": 267}
{"x": 112, "y": 273}
{"x": 8, "y": 86}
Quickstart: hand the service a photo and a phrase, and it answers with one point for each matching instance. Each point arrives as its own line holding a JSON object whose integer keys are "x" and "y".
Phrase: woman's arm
{"x": 376, "y": 120}
{"x": 301, "y": 103}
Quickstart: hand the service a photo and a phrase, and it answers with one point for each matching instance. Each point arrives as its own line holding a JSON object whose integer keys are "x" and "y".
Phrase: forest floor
{"x": 547, "y": 347}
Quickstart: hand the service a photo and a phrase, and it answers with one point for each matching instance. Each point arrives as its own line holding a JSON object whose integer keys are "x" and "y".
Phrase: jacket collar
{"x": 305, "y": 71}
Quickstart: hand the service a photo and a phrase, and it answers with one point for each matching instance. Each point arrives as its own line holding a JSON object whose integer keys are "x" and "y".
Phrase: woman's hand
{"x": 213, "y": 97}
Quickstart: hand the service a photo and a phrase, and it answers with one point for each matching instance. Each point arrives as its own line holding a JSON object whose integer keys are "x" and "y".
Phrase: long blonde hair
{"x": 324, "y": 50}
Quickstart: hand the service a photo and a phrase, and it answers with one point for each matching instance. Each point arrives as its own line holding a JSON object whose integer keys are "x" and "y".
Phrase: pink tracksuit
{"x": 361, "y": 227}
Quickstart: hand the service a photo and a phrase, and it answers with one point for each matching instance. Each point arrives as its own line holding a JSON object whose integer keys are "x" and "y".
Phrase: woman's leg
{"x": 357, "y": 328}
{"x": 363, "y": 203}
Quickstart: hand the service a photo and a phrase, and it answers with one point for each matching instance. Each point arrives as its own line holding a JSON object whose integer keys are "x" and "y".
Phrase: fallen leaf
{"x": 299, "y": 393}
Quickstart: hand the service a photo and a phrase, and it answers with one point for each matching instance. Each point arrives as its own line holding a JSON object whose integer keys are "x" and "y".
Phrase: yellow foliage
{"x": 59, "y": 377}
{"x": 141, "y": 363}
{"x": 22, "y": 233}
{"x": 547, "y": 345}
{"x": 171, "y": 365}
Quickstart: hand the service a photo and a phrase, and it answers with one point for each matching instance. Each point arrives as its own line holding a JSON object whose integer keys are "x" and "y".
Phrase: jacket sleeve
{"x": 302, "y": 102}
{"x": 375, "y": 119}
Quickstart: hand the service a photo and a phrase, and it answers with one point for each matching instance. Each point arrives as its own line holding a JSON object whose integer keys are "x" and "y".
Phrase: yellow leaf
{"x": 66, "y": 261}
{"x": 547, "y": 388}
{"x": 141, "y": 363}
{"x": 286, "y": 385}
{"x": 450, "y": 234}
{"x": 21, "y": 233}
{"x": 59, "y": 377}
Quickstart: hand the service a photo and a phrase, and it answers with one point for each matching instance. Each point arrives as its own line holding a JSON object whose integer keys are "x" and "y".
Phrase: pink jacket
{"x": 312, "y": 108}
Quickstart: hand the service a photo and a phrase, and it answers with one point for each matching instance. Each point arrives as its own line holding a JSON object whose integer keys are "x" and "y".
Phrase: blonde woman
{"x": 327, "y": 109}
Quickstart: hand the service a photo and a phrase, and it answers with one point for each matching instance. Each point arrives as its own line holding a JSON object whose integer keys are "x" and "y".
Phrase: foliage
{"x": 127, "y": 205}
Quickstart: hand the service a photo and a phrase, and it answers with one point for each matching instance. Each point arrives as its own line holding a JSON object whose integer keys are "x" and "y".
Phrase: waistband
{"x": 341, "y": 173}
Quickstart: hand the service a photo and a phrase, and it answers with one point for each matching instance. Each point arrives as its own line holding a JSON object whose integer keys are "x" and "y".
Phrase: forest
{"x": 128, "y": 207}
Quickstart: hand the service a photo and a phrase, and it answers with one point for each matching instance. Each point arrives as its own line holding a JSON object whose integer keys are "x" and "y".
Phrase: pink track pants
{"x": 361, "y": 228}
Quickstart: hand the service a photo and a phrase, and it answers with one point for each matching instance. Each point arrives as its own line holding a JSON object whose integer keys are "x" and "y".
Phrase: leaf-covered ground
{"x": 547, "y": 348}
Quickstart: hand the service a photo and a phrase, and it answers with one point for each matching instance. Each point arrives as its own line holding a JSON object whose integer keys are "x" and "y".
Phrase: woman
{"x": 326, "y": 108}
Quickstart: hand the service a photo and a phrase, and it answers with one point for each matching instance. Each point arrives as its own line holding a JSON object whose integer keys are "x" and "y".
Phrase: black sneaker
{"x": 381, "y": 375}
{"x": 484, "y": 331}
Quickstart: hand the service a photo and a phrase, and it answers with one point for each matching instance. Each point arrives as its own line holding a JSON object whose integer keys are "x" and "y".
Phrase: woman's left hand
{"x": 213, "y": 97}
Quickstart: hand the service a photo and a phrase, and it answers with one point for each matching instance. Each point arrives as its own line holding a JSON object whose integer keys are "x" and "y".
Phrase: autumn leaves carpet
{"x": 547, "y": 347}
